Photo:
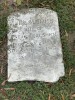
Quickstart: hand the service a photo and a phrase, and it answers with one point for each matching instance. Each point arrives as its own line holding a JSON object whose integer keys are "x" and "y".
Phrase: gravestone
{"x": 34, "y": 46}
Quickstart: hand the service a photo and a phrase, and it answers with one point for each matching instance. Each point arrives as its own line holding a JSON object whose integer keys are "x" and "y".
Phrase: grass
{"x": 65, "y": 87}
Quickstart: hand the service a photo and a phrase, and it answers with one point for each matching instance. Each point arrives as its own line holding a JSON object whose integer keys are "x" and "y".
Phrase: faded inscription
{"x": 34, "y": 47}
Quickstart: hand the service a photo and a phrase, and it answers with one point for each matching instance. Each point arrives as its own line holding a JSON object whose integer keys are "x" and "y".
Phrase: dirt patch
{"x": 3, "y": 56}
{"x": 71, "y": 41}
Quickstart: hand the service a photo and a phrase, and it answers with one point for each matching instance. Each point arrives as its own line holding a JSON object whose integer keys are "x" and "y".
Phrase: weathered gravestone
{"x": 34, "y": 46}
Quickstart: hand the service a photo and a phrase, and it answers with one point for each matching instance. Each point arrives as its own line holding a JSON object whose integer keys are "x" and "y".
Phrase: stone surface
{"x": 34, "y": 46}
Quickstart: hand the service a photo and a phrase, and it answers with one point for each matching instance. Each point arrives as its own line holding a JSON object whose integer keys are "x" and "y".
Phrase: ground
{"x": 64, "y": 89}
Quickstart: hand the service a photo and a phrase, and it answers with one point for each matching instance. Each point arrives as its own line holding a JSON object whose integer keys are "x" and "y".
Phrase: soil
{"x": 71, "y": 41}
{"x": 3, "y": 56}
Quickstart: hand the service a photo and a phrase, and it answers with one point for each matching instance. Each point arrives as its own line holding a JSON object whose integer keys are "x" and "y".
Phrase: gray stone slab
{"x": 34, "y": 46}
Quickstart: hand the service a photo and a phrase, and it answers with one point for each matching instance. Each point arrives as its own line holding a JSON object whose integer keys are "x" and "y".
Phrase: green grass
{"x": 41, "y": 90}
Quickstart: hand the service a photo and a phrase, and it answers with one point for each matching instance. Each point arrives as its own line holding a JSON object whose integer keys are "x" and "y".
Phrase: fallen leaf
{"x": 49, "y": 97}
{"x": 18, "y": 2}
{"x": 14, "y": 0}
{"x": 5, "y": 5}
{"x": 18, "y": 98}
{"x": 70, "y": 72}
{"x": 0, "y": 41}
{"x": 3, "y": 83}
{"x": 62, "y": 97}
{"x": 42, "y": 4}
{"x": 66, "y": 34}
{"x": 3, "y": 92}
{"x": 1, "y": 69}
{"x": 72, "y": 96}
{"x": 9, "y": 89}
